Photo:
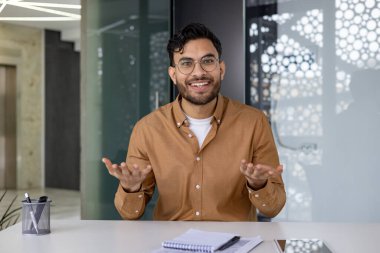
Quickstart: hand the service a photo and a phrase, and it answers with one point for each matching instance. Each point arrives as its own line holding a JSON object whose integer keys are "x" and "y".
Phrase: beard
{"x": 200, "y": 98}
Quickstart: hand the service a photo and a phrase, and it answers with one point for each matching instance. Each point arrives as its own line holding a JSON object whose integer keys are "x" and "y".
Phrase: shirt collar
{"x": 180, "y": 117}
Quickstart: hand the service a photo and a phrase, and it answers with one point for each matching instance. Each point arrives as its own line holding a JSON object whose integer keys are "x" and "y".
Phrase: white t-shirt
{"x": 200, "y": 127}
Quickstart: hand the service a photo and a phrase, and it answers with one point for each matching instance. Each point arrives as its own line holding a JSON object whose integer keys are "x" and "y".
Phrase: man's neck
{"x": 198, "y": 111}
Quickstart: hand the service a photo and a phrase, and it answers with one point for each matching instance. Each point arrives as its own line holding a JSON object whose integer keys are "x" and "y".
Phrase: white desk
{"x": 144, "y": 236}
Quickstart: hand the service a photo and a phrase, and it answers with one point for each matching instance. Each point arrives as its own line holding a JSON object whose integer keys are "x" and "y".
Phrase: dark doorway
{"x": 62, "y": 113}
{"x": 8, "y": 127}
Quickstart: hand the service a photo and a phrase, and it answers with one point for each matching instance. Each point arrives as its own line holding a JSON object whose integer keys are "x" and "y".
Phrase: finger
{"x": 110, "y": 167}
{"x": 268, "y": 171}
{"x": 243, "y": 165}
{"x": 275, "y": 171}
{"x": 107, "y": 162}
{"x": 124, "y": 169}
{"x": 261, "y": 172}
{"x": 280, "y": 168}
{"x": 272, "y": 171}
{"x": 135, "y": 172}
{"x": 248, "y": 172}
{"x": 113, "y": 169}
{"x": 147, "y": 170}
{"x": 250, "y": 169}
{"x": 263, "y": 168}
{"x": 116, "y": 171}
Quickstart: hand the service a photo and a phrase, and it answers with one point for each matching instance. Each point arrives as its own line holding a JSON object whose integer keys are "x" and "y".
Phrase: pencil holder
{"x": 35, "y": 217}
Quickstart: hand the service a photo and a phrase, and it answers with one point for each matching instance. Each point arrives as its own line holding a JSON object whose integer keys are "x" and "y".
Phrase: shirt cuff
{"x": 130, "y": 205}
{"x": 262, "y": 197}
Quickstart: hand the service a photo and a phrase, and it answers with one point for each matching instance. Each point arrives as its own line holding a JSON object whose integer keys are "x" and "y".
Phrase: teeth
{"x": 198, "y": 84}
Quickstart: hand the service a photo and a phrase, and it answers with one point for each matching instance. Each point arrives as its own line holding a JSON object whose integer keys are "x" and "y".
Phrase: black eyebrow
{"x": 208, "y": 55}
{"x": 189, "y": 58}
{"x": 186, "y": 58}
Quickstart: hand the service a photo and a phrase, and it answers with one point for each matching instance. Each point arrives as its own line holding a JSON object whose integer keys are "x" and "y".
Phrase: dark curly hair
{"x": 191, "y": 32}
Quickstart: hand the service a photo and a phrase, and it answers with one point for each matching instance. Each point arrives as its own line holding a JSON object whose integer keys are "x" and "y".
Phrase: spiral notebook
{"x": 195, "y": 240}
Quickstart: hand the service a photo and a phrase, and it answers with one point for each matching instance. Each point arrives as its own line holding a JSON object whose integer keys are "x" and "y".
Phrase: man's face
{"x": 198, "y": 87}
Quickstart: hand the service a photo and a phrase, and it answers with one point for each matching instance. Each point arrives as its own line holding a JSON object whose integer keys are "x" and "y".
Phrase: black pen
{"x": 40, "y": 208}
{"x": 231, "y": 242}
{"x": 31, "y": 212}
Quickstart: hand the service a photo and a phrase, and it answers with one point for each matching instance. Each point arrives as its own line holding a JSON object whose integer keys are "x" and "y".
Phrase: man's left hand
{"x": 257, "y": 175}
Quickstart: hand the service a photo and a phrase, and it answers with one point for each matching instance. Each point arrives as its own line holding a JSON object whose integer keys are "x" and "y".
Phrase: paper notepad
{"x": 197, "y": 240}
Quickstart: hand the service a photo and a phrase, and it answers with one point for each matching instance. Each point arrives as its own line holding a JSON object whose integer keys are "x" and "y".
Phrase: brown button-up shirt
{"x": 202, "y": 183}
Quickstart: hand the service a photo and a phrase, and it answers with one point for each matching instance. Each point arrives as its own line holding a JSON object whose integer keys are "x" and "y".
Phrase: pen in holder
{"x": 36, "y": 216}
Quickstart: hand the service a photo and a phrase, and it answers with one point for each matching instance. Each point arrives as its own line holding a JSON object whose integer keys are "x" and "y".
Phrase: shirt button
{"x": 197, "y": 213}
{"x": 218, "y": 121}
{"x": 140, "y": 196}
{"x": 198, "y": 186}
{"x": 263, "y": 205}
{"x": 136, "y": 211}
{"x": 257, "y": 195}
{"x": 198, "y": 158}
{"x": 178, "y": 124}
{"x": 190, "y": 135}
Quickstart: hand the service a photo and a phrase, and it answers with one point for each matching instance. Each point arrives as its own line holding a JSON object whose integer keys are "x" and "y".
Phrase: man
{"x": 211, "y": 158}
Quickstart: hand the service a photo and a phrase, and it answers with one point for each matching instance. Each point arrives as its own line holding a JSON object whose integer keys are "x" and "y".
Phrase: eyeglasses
{"x": 207, "y": 63}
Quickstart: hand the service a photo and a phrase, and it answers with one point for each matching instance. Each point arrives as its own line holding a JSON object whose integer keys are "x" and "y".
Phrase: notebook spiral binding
{"x": 188, "y": 247}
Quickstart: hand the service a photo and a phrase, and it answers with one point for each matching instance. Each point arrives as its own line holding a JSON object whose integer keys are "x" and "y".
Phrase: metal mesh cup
{"x": 35, "y": 217}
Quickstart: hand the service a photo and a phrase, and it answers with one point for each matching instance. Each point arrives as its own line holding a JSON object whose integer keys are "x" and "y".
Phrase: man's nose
{"x": 198, "y": 69}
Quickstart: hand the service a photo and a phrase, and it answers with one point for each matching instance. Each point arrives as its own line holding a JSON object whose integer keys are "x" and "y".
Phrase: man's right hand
{"x": 130, "y": 178}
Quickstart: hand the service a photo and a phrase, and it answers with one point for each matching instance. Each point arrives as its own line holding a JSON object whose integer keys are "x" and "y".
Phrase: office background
{"x": 312, "y": 66}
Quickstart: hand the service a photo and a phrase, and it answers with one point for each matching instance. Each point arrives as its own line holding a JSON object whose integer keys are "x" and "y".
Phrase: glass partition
{"x": 124, "y": 77}
{"x": 314, "y": 68}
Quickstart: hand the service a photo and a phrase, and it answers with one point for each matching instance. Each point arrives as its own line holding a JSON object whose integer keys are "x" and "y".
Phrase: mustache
{"x": 200, "y": 78}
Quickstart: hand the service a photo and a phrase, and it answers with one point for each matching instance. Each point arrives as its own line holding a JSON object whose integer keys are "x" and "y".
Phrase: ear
{"x": 222, "y": 67}
{"x": 171, "y": 71}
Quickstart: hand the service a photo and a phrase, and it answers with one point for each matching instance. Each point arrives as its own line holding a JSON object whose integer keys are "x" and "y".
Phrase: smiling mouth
{"x": 198, "y": 84}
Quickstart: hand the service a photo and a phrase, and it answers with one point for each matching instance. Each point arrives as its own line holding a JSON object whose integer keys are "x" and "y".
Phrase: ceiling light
{"x": 28, "y": 6}
{"x": 4, "y": 4}
{"x": 65, "y": 6}
{"x": 38, "y": 19}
